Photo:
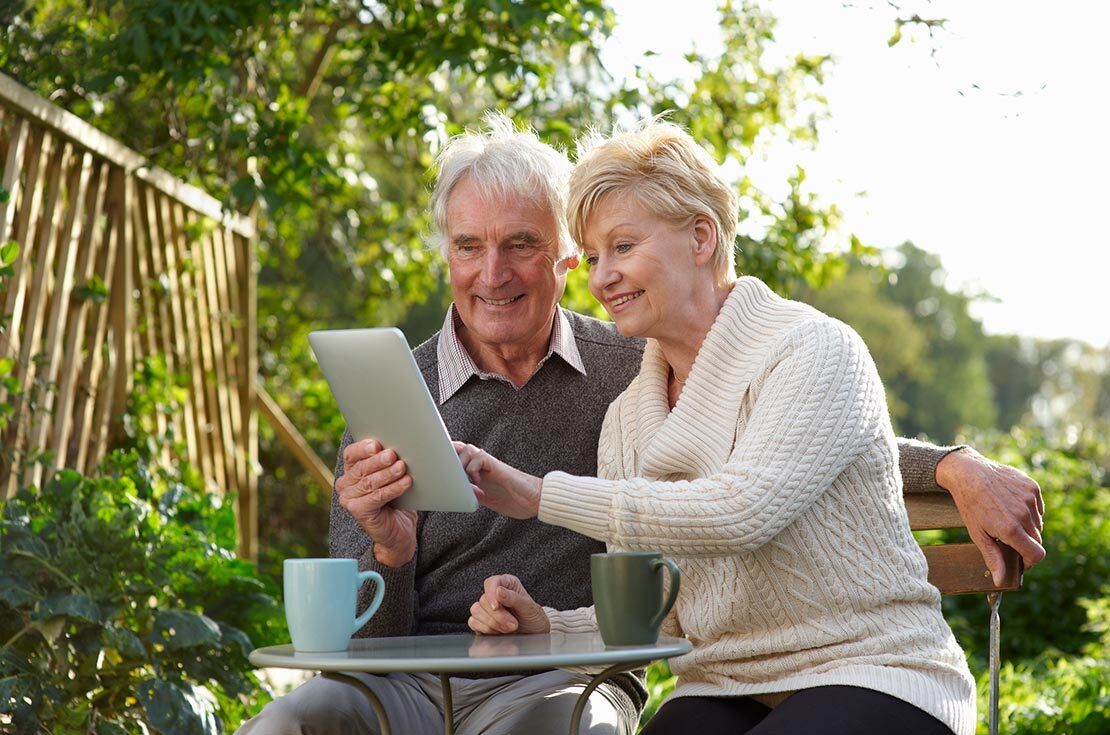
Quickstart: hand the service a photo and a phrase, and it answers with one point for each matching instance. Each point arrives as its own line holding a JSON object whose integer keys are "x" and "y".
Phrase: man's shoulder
{"x": 601, "y": 334}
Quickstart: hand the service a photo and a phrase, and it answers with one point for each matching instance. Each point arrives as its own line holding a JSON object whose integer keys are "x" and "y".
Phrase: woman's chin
{"x": 627, "y": 328}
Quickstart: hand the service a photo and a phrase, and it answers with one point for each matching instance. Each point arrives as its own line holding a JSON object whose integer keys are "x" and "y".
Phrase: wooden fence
{"x": 119, "y": 262}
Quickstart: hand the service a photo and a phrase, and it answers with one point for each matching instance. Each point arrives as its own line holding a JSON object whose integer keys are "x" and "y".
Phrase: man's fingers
{"x": 374, "y": 499}
{"x": 356, "y": 451}
{"x": 383, "y": 477}
{"x": 373, "y": 463}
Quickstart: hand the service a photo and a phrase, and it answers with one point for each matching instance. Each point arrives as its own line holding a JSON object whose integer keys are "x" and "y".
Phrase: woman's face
{"x": 642, "y": 267}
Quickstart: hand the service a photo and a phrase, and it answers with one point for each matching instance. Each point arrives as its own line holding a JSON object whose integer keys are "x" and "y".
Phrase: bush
{"x": 1059, "y": 695}
{"x": 123, "y": 608}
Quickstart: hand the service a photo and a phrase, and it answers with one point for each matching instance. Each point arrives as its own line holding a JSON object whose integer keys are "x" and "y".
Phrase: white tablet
{"x": 382, "y": 394}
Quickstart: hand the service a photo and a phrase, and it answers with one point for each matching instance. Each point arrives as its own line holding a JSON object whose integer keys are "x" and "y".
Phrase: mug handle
{"x": 379, "y": 584}
{"x": 672, "y": 593}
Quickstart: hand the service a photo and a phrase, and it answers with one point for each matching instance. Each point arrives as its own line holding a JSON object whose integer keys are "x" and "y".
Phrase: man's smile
{"x": 500, "y": 302}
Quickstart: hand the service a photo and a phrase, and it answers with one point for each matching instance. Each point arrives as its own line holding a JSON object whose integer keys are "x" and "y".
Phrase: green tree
{"x": 950, "y": 389}
{"x": 1015, "y": 368}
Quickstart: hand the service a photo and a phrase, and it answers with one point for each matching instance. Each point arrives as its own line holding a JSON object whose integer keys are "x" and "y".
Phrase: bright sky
{"x": 994, "y": 153}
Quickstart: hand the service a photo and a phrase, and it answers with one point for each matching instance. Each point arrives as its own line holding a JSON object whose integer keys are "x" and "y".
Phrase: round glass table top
{"x": 469, "y": 652}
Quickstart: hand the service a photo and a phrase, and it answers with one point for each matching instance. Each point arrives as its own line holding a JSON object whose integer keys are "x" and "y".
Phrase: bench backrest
{"x": 956, "y": 568}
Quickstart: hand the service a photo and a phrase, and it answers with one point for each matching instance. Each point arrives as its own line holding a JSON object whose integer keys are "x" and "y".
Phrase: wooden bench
{"x": 959, "y": 569}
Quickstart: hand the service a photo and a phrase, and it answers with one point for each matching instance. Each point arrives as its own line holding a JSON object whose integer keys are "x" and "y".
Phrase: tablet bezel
{"x": 382, "y": 395}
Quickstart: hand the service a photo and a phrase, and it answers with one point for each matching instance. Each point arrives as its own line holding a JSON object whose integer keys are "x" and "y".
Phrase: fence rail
{"x": 120, "y": 262}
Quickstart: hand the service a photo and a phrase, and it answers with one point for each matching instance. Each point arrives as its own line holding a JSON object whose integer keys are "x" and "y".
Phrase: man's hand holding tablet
{"x": 390, "y": 415}
{"x": 372, "y": 477}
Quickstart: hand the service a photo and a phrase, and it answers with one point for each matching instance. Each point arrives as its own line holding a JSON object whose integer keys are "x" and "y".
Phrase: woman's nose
{"x": 602, "y": 275}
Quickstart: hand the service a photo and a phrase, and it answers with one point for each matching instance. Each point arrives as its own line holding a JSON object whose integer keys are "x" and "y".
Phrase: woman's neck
{"x": 681, "y": 347}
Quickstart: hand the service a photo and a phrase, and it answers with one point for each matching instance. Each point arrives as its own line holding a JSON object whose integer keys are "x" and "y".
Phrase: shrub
{"x": 123, "y": 608}
{"x": 1059, "y": 695}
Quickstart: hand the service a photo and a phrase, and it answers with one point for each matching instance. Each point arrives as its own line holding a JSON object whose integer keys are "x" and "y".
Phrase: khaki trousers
{"x": 540, "y": 704}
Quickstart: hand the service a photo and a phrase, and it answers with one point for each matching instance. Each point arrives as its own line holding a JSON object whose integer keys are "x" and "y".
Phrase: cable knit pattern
{"x": 774, "y": 484}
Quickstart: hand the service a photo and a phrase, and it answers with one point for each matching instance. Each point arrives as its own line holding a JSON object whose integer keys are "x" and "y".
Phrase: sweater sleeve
{"x": 918, "y": 462}
{"x": 347, "y": 539}
{"x": 817, "y": 406}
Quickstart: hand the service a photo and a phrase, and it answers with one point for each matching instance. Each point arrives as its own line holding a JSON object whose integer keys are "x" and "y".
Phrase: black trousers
{"x": 831, "y": 710}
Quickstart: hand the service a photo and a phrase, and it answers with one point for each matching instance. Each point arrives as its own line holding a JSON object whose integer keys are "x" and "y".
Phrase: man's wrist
{"x": 393, "y": 557}
{"x": 948, "y": 468}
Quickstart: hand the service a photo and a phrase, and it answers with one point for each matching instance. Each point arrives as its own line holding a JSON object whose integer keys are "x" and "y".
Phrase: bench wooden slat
{"x": 959, "y": 569}
{"x": 956, "y": 568}
{"x": 928, "y": 511}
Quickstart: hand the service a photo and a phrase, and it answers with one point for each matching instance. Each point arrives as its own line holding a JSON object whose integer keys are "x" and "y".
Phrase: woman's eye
{"x": 623, "y": 247}
{"x": 591, "y": 260}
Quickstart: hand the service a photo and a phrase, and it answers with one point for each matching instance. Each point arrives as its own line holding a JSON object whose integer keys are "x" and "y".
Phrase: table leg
{"x": 448, "y": 705}
{"x": 580, "y": 705}
{"x": 379, "y": 710}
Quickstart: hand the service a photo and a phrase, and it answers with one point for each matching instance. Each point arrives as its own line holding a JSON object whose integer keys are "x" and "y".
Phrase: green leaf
{"x": 6, "y": 365}
{"x": 124, "y": 641}
{"x": 110, "y": 727}
{"x": 50, "y": 629}
{"x": 233, "y": 636}
{"x": 185, "y": 629}
{"x": 8, "y": 252}
{"x": 14, "y": 688}
{"x": 173, "y": 711}
{"x": 14, "y": 593}
{"x": 79, "y": 607}
{"x": 93, "y": 290}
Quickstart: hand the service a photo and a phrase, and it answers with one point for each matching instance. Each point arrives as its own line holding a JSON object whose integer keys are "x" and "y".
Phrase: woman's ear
{"x": 705, "y": 239}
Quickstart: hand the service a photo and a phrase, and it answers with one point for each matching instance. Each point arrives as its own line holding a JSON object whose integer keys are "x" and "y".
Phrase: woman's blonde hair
{"x": 668, "y": 173}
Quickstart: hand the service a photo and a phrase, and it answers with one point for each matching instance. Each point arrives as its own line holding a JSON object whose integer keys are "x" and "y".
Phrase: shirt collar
{"x": 456, "y": 365}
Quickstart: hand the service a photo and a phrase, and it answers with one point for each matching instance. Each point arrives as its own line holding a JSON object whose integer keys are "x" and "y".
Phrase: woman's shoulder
{"x": 786, "y": 324}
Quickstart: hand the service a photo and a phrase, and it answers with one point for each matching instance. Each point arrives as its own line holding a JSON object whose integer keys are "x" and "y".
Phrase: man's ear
{"x": 704, "y": 232}
{"x": 567, "y": 264}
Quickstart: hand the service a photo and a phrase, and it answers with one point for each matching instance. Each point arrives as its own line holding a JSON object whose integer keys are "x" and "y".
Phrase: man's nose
{"x": 496, "y": 269}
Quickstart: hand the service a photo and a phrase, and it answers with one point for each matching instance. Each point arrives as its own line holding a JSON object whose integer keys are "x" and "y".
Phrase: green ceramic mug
{"x": 630, "y": 597}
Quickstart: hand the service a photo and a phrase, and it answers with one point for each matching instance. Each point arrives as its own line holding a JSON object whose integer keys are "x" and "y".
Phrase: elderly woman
{"x": 755, "y": 448}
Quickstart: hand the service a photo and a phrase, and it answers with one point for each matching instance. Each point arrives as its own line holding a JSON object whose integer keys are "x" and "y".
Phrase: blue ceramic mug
{"x": 320, "y": 600}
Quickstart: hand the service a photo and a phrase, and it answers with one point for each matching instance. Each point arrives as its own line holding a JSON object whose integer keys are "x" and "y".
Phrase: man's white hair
{"x": 503, "y": 161}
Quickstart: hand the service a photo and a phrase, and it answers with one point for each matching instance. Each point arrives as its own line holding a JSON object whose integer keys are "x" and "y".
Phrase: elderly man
{"x": 529, "y": 381}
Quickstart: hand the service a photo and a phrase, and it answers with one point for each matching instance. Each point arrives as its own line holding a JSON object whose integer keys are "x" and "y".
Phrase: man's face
{"x": 505, "y": 276}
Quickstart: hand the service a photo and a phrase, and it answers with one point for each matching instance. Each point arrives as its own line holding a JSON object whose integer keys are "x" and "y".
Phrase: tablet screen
{"x": 382, "y": 395}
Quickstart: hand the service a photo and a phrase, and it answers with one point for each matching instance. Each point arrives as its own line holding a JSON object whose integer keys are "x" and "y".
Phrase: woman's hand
{"x": 499, "y": 487}
{"x": 506, "y": 607}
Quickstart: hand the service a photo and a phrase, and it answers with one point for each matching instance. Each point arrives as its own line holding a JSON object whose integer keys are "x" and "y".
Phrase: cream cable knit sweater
{"x": 774, "y": 484}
